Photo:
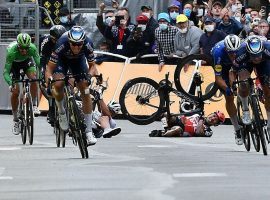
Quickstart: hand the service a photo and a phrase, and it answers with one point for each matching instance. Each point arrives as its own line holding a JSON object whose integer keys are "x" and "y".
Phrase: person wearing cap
{"x": 210, "y": 37}
{"x": 142, "y": 39}
{"x": 164, "y": 38}
{"x": 65, "y": 18}
{"x": 186, "y": 40}
{"x": 216, "y": 10}
{"x": 173, "y": 11}
{"x": 152, "y": 23}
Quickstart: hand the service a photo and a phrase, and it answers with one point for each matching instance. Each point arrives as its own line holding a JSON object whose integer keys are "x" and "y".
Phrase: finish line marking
{"x": 9, "y": 148}
{"x": 191, "y": 175}
{"x": 154, "y": 146}
{"x": 2, "y": 169}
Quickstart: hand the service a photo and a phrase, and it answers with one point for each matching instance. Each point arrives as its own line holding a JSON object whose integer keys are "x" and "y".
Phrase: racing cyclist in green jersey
{"x": 19, "y": 56}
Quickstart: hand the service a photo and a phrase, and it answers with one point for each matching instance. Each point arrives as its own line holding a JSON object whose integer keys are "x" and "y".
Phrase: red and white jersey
{"x": 193, "y": 125}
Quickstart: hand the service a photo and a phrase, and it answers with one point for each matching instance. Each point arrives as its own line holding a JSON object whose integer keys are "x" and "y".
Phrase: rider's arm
{"x": 52, "y": 64}
{"x": 35, "y": 55}
{"x": 7, "y": 69}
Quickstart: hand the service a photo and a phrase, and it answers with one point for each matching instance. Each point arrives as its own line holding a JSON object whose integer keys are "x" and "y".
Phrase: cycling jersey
{"x": 13, "y": 56}
{"x": 46, "y": 49}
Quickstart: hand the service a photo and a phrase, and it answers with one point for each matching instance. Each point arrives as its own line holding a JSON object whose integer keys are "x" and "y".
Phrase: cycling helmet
{"x": 24, "y": 40}
{"x": 57, "y": 31}
{"x": 232, "y": 42}
{"x": 254, "y": 45}
{"x": 76, "y": 34}
{"x": 220, "y": 116}
{"x": 114, "y": 107}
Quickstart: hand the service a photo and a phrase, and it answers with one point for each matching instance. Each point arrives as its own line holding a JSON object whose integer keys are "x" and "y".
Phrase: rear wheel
{"x": 22, "y": 121}
{"x": 140, "y": 100}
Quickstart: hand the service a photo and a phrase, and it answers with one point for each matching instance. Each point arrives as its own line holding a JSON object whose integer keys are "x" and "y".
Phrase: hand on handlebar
{"x": 11, "y": 88}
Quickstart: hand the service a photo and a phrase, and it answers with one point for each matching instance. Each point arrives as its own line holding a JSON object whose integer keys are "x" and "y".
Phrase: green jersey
{"x": 13, "y": 55}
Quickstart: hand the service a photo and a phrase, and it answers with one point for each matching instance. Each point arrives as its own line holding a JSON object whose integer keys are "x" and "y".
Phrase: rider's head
{"x": 255, "y": 48}
{"x": 76, "y": 37}
{"x": 56, "y": 32}
{"x": 215, "y": 118}
{"x": 23, "y": 41}
{"x": 232, "y": 43}
{"x": 114, "y": 107}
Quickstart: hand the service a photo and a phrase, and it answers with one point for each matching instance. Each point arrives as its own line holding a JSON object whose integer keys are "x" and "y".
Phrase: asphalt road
{"x": 131, "y": 166}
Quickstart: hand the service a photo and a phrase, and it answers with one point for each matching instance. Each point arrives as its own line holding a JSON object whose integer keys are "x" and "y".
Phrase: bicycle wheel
{"x": 22, "y": 122}
{"x": 56, "y": 127}
{"x": 259, "y": 123}
{"x": 184, "y": 76}
{"x": 245, "y": 135}
{"x": 29, "y": 118}
{"x": 79, "y": 131}
{"x": 140, "y": 101}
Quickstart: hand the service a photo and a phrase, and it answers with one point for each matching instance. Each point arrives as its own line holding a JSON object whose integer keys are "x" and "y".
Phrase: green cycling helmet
{"x": 23, "y": 40}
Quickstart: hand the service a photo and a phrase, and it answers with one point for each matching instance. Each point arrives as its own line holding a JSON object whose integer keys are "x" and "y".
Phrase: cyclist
{"x": 19, "y": 56}
{"x": 46, "y": 48}
{"x": 72, "y": 51}
{"x": 192, "y": 126}
{"x": 224, "y": 54}
{"x": 256, "y": 53}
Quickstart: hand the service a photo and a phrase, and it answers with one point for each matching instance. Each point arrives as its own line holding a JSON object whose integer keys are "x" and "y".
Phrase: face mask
{"x": 200, "y": 12}
{"x": 108, "y": 21}
{"x": 184, "y": 30}
{"x": 146, "y": 14}
{"x": 142, "y": 26}
{"x": 187, "y": 12}
{"x": 234, "y": 8}
{"x": 209, "y": 28}
{"x": 268, "y": 19}
{"x": 248, "y": 18}
{"x": 64, "y": 19}
{"x": 174, "y": 15}
{"x": 237, "y": 18}
{"x": 163, "y": 27}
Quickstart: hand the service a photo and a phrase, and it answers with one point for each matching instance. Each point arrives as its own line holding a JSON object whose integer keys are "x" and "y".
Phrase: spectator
{"x": 65, "y": 18}
{"x": 173, "y": 11}
{"x": 109, "y": 18}
{"x": 210, "y": 37}
{"x": 141, "y": 40}
{"x": 229, "y": 25}
{"x": 178, "y": 3}
{"x": 104, "y": 47}
{"x": 191, "y": 15}
{"x": 186, "y": 41}
{"x": 120, "y": 32}
{"x": 263, "y": 29}
{"x": 216, "y": 10}
{"x": 254, "y": 14}
{"x": 268, "y": 18}
{"x": 164, "y": 36}
{"x": 255, "y": 27}
{"x": 152, "y": 23}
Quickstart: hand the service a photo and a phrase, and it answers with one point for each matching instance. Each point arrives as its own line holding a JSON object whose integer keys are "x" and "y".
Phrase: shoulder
{"x": 33, "y": 48}
{"x": 219, "y": 46}
{"x": 12, "y": 49}
{"x": 89, "y": 44}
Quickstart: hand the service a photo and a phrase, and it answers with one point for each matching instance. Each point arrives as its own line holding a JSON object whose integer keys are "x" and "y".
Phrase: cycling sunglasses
{"x": 23, "y": 48}
{"x": 76, "y": 43}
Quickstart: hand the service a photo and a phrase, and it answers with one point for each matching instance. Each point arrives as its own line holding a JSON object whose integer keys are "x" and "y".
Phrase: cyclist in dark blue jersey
{"x": 224, "y": 54}
{"x": 256, "y": 53}
{"x": 74, "y": 50}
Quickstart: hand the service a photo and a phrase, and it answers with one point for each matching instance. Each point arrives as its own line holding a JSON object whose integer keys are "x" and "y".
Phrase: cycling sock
{"x": 268, "y": 118}
{"x": 112, "y": 123}
{"x": 244, "y": 101}
{"x": 15, "y": 116}
{"x": 35, "y": 101}
{"x": 235, "y": 124}
{"x": 88, "y": 121}
{"x": 60, "y": 106}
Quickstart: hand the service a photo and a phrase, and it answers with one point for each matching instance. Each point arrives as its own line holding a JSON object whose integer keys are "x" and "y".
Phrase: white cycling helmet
{"x": 254, "y": 45}
{"x": 232, "y": 42}
{"x": 114, "y": 107}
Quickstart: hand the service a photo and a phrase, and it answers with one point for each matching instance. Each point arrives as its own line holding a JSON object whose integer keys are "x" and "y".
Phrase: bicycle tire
{"x": 258, "y": 123}
{"x": 29, "y": 118}
{"x": 145, "y": 88}
{"x": 79, "y": 132}
{"x": 56, "y": 126}
{"x": 212, "y": 87}
{"x": 22, "y": 122}
{"x": 245, "y": 135}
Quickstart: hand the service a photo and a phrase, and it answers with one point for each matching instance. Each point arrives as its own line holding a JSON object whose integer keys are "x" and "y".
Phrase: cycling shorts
{"x": 27, "y": 66}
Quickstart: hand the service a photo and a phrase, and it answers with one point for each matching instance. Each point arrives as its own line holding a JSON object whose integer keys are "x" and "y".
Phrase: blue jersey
{"x": 63, "y": 51}
{"x": 221, "y": 58}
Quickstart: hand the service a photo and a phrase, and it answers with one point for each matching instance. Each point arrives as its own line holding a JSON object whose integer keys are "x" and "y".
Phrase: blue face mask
{"x": 187, "y": 12}
{"x": 64, "y": 19}
{"x": 163, "y": 27}
{"x": 173, "y": 15}
{"x": 248, "y": 18}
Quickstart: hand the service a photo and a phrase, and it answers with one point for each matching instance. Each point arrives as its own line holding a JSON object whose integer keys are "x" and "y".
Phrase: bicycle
{"x": 151, "y": 99}
{"x": 75, "y": 119}
{"x": 25, "y": 108}
{"x": 257, "y": 129}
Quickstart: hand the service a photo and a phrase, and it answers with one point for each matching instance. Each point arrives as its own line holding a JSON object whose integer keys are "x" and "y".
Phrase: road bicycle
{"x": 257, "y": 129}
{"x": 25, "y": 108}
{"x": 143, "y": 100}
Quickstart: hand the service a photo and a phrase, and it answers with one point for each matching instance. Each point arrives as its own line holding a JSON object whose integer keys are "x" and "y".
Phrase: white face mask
{"x": 146, "y": 14}
{"x": 209, "y": 28}
{"x": 108, "y": 21}
{"x": 184, "y": 30}
{"x": 143, "y": 26}
{"x": 237, "y": 18}
{"x": 200, "y": 12}
{"x": 234, "y": 8}
{"x": 268, "y": 19}
{"x": 173, "y": 15}
{"x": 163, "y": 27}
{"x": 64, "y": 19}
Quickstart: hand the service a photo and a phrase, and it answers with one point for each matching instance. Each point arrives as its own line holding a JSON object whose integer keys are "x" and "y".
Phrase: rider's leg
{"x": 58, "y": 92}
{"x": 266, "y": 92}
{"x": 31, "y": 74}
{"x": 232, "y": 111}
{"x": 15, "y": 102}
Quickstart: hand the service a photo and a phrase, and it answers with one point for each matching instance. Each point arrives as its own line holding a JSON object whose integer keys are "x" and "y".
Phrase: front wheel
{"x": 29, "y": 118}
{"x": 140, "y": 100}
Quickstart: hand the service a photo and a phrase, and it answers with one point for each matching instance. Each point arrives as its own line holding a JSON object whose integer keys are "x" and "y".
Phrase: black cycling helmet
{"x": 57, "y": 31}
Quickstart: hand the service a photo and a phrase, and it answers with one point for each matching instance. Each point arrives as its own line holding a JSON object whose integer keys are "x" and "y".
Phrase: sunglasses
{"x": 23, "y": 48}
{"x": 76, "y": 44}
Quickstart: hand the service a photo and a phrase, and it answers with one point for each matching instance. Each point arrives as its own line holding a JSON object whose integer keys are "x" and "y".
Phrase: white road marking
{"x": 191, "y": 175}
{"x": 2, "y": 169}
{"x": 9, "y": 148}
{"x": 155, "y": 146}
